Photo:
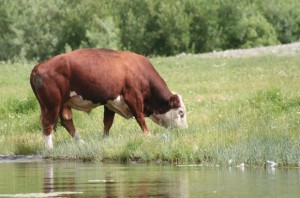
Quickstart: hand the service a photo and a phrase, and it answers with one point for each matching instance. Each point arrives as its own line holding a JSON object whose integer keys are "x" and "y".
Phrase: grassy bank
{"x": 243, "y": 109}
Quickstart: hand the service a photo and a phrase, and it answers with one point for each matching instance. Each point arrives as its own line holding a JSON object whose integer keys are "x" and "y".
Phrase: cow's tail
{"x": 35, "y": 81}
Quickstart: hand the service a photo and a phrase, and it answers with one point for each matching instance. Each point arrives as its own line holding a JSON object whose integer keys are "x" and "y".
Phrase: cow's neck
{"x": 159, "y": 100}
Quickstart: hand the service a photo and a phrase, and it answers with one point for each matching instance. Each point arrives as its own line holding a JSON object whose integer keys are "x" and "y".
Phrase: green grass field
{"x": 243, "y": 109}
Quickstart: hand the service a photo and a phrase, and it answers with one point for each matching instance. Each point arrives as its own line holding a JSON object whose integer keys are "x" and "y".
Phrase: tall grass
{"x": 239, "y": 109}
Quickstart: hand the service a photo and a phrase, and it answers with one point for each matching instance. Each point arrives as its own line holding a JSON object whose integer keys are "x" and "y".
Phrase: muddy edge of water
{"x": 21, "y": 158}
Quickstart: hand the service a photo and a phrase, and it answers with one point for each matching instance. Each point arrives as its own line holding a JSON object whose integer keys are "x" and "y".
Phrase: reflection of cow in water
{"x": 125, "y": 83}
{"x": 54, "y": 186}
{"x": 73, "y": 179}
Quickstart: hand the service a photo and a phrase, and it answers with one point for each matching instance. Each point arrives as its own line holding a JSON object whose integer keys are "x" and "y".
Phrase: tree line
{"x": 39, "y": 29}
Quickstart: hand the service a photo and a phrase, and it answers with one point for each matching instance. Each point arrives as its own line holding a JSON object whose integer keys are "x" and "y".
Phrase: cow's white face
{"x": 172, "y": 118}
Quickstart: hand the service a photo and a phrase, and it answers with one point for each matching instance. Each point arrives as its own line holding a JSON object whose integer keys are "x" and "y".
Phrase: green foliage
{"x": 35, "y": 28}
{"x": 205, "y": 31}
{"x": 167, "y": 29}
{"x": 102, "y": 33}
{"x": 4, "y": 23}
{"x": 243, "y": 26}
{"x": 284, "y": 18}
{"x": 39, "y": 29}
{"x": 133, "y": 16}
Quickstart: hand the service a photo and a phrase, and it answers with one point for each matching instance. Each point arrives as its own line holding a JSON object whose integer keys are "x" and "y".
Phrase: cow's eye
{"x": 181, "y": 113}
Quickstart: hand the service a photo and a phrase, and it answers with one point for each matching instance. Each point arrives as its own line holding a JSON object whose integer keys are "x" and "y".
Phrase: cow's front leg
{"x": 136, "y": 105}
{"x": 108, "y": 120}
{"x": 141, "y": 120}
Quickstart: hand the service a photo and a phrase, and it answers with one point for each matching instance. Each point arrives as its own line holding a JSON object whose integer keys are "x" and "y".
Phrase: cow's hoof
{"x": 48, "y": 147}
{"x": 48, "y": 142}
{"x": 81, "y": 141}
{"x": 77, "y": 138}
{"x": 148, "y": 134}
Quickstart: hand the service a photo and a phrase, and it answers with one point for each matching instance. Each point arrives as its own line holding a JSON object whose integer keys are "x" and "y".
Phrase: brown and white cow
{"x": 125, "y": 83}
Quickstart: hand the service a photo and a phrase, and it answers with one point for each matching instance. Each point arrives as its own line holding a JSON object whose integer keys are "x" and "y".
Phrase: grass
{"x": 243, "y": 109}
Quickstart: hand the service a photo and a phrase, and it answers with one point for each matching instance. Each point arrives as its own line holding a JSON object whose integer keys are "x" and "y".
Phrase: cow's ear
{"x": 174, "y": 101}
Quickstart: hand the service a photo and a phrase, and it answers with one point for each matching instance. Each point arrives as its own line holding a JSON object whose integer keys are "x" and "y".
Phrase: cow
{"x": 123, "y": 82}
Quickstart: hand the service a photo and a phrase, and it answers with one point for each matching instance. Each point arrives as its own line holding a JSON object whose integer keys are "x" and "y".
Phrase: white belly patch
{"x": 119, "y": 106}
{"x": 77, "y": 102}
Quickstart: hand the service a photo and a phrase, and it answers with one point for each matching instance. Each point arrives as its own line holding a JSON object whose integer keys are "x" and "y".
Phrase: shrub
{"x": 254, "y": 31}
{"x": 243, "y": 26}
{"x": 205, "y": 32}
{"x": 102, "y": 33}
{"x": 284, "y": 18}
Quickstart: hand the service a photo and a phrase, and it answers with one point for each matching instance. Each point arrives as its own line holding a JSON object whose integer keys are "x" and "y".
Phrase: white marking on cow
{"x": 120, "y": 107}
{"x": 73, "y": 93}
{"x": 48, "y": 141}
{"x": 77, "y": 102}
{"x": 77, "y": 138}
{"x": 172, "y": 118}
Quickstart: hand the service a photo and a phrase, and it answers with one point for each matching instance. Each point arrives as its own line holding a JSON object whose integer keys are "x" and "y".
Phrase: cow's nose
{"x": 185, "y": 125}
{"x": 182, "y": 126}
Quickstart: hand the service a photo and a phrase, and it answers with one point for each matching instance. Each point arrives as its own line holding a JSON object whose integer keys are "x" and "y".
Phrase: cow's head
{"x": 175, "y": 116}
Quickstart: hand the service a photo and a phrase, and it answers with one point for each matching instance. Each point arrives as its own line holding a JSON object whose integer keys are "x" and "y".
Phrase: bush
{"x": 102, "y": 33}
{"x": 253, "y": 30}
{"x": 227, "y": 25}
{"x": 243, "y": 26}
{"x": 284, "y": 18}
{"x": 167, "y": 29}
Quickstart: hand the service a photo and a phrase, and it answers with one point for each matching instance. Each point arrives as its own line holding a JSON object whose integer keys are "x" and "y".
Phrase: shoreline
{"x": 20, "y": 158}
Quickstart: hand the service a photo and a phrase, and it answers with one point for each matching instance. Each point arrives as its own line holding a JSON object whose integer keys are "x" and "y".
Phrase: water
{"x": 77, "y": 179}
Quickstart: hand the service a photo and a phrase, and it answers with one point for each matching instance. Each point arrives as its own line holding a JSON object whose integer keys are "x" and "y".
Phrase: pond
{"x": 42, "y": 178}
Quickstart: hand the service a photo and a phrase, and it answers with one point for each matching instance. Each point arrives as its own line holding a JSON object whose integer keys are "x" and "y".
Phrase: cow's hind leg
{"x": 67, "y": 122}
{"x": 49, "y": 119}
{"x": 49, "y": 99}
{"x": 107, "y": 120}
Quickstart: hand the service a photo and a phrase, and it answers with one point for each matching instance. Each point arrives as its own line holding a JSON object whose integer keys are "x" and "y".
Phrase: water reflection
{"x": 48, "y": 178}
{"x": 111, "y": 180}
{"x": 59, "y": 179}
{"x": 77, "y": 179}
